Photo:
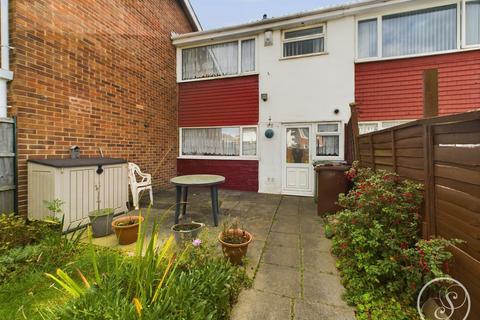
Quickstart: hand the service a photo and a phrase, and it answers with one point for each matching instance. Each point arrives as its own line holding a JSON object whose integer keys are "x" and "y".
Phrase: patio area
{"x": 294, "y": 273}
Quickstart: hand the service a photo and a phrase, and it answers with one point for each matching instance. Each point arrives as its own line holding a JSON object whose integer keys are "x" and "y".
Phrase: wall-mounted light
{"x": 264, "y": 96}
{"x": 268, "y": 38}
{"x": 336, "y": 111}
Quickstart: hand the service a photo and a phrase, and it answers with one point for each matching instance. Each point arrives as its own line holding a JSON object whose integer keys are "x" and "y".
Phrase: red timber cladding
{"x": 219, "y": 102}
{"x": 239, "y": 174}
{"x": 393, "y": 89}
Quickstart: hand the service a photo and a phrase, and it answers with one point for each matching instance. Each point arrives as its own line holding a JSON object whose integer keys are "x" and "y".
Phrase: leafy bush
{"x": 17, "y": 231}
{"x": 377, "y": 244}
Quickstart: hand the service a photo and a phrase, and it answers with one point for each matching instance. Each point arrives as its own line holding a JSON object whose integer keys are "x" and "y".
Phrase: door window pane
{"x": 249, "y": 141}
{"x": 472, "y": 22}
{"x": 421, "y": 31}
{"x": 298, "y": 149}
{"x": 367, "y": 38}
{"x": 211, "y": 141}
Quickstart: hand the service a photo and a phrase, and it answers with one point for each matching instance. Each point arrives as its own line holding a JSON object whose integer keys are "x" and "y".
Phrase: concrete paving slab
{"x": 279, "y": 280}
{"x": 284, "y": 240}
{"x": 256, "y": 305}
{"x": 323, "y": 288}
{"x": 313, "y": 311}
{"x": 285, "y": 227}
{"x": 282, "y": 256}
{"x": 315, "y": 242}
{"x": 317, "y": 261}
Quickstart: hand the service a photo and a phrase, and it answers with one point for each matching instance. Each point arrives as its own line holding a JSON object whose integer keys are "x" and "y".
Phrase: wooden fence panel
{"x": 443, "y": 153}
{"x": 7, "y": 165}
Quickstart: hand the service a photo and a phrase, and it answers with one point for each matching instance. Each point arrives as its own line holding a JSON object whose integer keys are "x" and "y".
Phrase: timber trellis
{"x": 7, "y": 166}
{"x": 443, "y": 153}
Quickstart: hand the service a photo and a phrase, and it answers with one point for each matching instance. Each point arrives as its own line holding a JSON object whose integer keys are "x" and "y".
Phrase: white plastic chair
{"x": 139, "y": 186}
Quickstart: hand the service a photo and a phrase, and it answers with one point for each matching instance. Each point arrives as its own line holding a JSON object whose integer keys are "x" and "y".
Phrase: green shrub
{"x": 377, "y": 244}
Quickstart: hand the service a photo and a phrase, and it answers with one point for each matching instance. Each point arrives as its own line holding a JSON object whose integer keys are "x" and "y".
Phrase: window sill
{"x": 220, "y": 77}
{"x": 304, "y": 56}
{"x": 463, "y": 49}
{"x": 216, "y": 158}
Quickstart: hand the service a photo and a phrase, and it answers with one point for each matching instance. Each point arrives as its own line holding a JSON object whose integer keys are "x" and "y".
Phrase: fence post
{"x": 429, "y": 181}
{"x": 372, "y": 151}
{"x": 355, "y": 130}
{"x": 394, "y": 152}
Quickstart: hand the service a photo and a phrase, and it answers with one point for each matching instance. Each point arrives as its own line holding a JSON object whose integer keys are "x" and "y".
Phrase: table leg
{"x": 177, "y": 206}
{"x": 214, "y": 192}
{"x": 184, "y": 200}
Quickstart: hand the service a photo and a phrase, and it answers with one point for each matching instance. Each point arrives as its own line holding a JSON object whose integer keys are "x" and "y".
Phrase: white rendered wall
{"x": 304, "y": 89}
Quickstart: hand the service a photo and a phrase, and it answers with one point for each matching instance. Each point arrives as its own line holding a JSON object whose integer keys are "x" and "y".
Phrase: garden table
{"x": 196, "y": 180}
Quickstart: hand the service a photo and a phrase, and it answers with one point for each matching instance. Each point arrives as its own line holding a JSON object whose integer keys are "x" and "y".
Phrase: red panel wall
{"x": 394, "y": 89}
{"x": 239, "y": 174}
{"x": 220, "y": 102}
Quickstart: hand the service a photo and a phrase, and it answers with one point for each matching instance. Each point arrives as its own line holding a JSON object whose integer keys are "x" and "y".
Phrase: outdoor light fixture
{"x": 268, "y": 38}
{"x": 336, "y": 111}
{"x": 264, "y": 96}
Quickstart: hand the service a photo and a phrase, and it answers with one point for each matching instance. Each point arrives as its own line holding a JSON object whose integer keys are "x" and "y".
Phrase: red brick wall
{"x": 394, "y": 89}
{"x": 239, "y": 174}
{"x": 97, "y": 74}
{"x": 220, "y": 102}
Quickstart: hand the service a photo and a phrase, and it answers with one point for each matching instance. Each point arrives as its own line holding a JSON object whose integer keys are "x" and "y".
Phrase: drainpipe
{"x": 5, "y": 73}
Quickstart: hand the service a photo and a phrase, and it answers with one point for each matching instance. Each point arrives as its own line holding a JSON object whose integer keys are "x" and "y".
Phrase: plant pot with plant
{"x": 101, "y": 221}
{"x": 126, "y": 228}
{"x": 235, "y": 241}
{"x": 186, "y": 232}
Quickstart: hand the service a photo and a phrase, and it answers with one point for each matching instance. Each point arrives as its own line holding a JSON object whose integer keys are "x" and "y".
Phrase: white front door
{"x": 297, "y": 155}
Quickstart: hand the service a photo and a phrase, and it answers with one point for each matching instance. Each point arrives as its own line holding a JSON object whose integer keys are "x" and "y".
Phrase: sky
{"x": 220, "y": 13}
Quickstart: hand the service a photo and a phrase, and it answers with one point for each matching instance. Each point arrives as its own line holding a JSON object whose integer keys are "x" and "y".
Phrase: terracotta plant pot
{"x": 235, "y": 252}
{"x": 126, "y": 233}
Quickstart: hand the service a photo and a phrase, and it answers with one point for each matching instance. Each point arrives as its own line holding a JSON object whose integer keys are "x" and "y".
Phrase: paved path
{"x": 294, "y": 273}
{"x": 296, "y": 277}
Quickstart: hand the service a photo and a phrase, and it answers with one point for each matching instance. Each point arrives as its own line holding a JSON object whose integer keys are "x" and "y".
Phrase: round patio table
{"x": 196, "y": 180}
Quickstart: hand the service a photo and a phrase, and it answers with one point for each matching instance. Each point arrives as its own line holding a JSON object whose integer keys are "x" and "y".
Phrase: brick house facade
{"x": 97, "y": 74}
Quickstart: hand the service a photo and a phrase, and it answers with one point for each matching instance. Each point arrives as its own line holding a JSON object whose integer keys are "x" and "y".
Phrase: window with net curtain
{"x": 304, "y": 41}
{"x": 328, "y": 140}
{"x": 416, "y": 32}
{"x": 472, "y": 22}
{"x": 219, "y": 141}
{"x": 421, "y": 31}
{"x": 218, "y": 59}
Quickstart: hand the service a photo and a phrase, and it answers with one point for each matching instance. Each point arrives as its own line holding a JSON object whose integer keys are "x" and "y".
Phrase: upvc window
{"x": 368, "y": 38}
{"x": 217, "y": 60}
{"x": 371, "y": 126}
{"x": 305, "y": 41}
{"x": 472, "y": 22}
{"x": 410, "y": 33}
{"x": 328, "y": 139}
{"x": 219, "y": 142}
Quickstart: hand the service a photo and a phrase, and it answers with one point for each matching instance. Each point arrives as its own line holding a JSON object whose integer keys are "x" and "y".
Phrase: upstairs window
{"x": 472, "y": 22}
{"x": 218, "y": 60}
{"x": 304, "y": 41}
{"x": 422, "y": 31}
{"x": 368, "y": 38}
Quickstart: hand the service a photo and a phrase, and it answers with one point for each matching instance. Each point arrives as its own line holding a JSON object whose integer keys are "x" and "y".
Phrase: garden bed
{"x": 164, "y": 282}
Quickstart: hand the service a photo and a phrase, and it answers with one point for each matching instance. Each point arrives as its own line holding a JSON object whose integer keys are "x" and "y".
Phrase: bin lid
{"x": 332, "y": 166}
{"x": 81, "y": 162}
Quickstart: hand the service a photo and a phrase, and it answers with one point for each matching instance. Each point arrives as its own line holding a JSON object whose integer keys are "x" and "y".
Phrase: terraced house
{"x": 259, "y": 102}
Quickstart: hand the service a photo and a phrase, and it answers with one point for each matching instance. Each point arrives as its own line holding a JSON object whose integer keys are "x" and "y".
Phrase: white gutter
{"x": 5, "y": 73}
{"x": 292, "y": 20}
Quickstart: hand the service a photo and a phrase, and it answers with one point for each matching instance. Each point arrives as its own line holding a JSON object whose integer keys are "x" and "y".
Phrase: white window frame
{"x": 461, "y": 26}
{"x": 239, "y": 67}
{"x": 341, "y": 140}
{"x": 464, "y": 27}
{"x": 380, "y": 123}
{"x": 240, "y": 157}
{"x": 315, "y": 36}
